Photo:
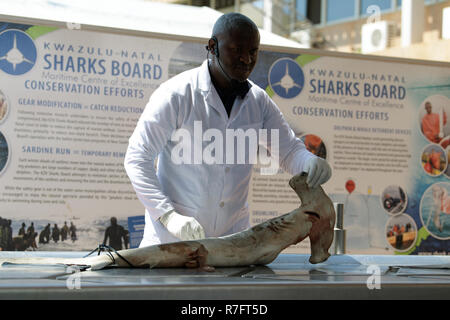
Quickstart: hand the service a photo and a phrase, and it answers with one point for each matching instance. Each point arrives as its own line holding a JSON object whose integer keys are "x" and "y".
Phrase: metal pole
{"x": 339, "y": 231}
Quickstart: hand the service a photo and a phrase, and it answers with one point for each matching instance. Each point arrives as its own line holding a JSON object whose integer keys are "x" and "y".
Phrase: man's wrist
{"x": 165, "y": 216}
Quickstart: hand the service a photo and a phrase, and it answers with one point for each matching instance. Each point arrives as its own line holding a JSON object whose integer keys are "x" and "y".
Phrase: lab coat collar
{"x": 207, "y": 89}
{"x": 206, "y": 86}
{"x": 205, "y": 82}
{"x": 204, "y": 78}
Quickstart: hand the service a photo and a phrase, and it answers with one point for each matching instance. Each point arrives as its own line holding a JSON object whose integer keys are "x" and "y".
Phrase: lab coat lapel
{"x": 238, "y": 105}
{"x": 209, "y": 92}
{"x": 213, "y": 100}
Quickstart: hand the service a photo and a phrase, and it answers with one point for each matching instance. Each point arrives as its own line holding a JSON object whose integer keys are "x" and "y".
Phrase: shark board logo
{"x": 286, "y": 78}
{"x": 17, "y": 52}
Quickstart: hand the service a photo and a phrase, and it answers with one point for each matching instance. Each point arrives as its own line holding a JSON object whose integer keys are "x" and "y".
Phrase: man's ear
{"x": 212, "y": 44}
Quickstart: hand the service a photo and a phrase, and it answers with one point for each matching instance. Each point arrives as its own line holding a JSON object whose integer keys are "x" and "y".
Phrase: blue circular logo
{"x": 17, "y": 52}
{"x": 286, "y": 78}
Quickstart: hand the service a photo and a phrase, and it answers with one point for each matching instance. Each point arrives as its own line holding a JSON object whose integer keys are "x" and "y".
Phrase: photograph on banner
{"x": 315, "y": 145}
{"x": 434, "y": 160}
{"x": 401, "y": 232}
{"x": 433, "y": 119}
{"x": 394, "y": 199}
{"x": 4, "y": 107}
{"x": 5, "y": 152}
{"x": 435, "y": 210}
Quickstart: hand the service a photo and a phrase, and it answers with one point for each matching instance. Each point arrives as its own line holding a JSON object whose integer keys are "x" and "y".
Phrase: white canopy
{"x": 155, "y": 17}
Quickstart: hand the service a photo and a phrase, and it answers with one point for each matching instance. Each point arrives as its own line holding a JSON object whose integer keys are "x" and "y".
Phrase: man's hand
{"x": 319, "y": 172}
{"x": 182, "y": 227}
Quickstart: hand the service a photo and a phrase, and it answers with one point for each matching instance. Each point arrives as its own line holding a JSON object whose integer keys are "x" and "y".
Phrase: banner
{"x": 384, "y": 128}
{"x": 70, "y": 99}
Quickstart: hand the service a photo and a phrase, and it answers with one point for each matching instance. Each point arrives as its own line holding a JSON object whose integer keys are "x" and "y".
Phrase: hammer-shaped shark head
{"x": 315, "y": 200}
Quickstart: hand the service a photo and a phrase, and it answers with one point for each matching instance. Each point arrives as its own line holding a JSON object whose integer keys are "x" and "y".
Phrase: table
{"x": 289, "y": 277}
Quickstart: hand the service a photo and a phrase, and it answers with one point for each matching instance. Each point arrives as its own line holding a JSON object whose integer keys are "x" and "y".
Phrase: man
{"x": 55, "y": 233}
{"x": 64, "y": 231}
{"x": 22, "y": 230}
{"x": 3, "y": 234}
{"x": 9, "y": 235}
{"x": 115, "y": 233}
{"x": 73, "y": 232}
{"x": 192, "y": 200}
{"x": 431, "y": 126}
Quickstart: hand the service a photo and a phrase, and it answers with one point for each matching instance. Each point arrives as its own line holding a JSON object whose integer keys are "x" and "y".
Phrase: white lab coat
{"x": 214, "y": 194}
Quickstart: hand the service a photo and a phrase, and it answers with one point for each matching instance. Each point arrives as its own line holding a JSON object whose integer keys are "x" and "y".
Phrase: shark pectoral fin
{"x": 198, "y": 259}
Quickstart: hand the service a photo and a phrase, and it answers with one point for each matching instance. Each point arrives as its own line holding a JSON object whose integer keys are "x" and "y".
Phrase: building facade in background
{"x": 418, "y": 29}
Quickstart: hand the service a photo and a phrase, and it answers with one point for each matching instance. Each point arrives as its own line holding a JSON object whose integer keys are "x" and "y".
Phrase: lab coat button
{"x": 222, "y": 204}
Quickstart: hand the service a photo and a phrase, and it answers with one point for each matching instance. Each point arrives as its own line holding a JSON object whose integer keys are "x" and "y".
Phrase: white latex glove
{"x": 319, "y": 172}
{"x": 182, "y": 227}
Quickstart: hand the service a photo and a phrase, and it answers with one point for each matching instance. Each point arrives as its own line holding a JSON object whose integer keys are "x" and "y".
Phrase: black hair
{"x": 230, "y": 21}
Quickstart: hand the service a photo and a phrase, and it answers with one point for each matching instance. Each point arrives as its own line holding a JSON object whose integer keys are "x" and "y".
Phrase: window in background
{"x": 301, "y": 9}
{"x": 399, "y": 2}
{"x": 382, "y": 4}
{"x": 340, "y": 10}
{"x": 258, "y": 4}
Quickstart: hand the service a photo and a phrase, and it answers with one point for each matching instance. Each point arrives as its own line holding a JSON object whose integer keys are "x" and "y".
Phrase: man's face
{"x": 428, "y": 107}
{"x": 239, "y": 52}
